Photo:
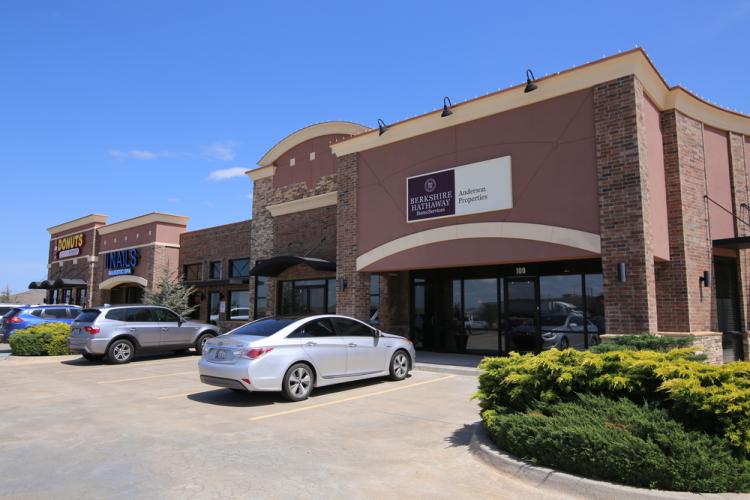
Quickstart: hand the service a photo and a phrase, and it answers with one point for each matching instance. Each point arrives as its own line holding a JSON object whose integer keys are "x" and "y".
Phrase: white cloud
{"x": 226, "y": 173}
{"x": 223, "y": 151}
{"x": 173, "y": 200}
{"x": 136, "y": 154}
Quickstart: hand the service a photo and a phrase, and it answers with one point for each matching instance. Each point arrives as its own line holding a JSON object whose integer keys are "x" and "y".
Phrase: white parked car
{"x": 296, "y": 355}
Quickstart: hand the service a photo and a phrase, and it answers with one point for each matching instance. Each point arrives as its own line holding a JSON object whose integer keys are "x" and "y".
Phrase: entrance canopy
{"x": 739, "y": 243}
{"x": 57, "y": 283}
{"x": 276, "y": 265}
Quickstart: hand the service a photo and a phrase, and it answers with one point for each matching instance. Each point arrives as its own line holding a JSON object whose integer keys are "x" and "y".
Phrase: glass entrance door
{"x": 521, "y": 329}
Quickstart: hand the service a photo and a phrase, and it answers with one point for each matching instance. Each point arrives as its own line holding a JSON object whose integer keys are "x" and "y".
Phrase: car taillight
{"x": 91, "y": 330}
{"x": 15, "y": 319}
{"x": 257, "y": 352}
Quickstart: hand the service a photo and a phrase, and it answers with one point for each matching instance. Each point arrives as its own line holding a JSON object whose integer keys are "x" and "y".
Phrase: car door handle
{"x": 132, "y": 329}
{"x": 163, "y": 328}
{"x": 311, "y": 344}
{"x": 352, "y": 344}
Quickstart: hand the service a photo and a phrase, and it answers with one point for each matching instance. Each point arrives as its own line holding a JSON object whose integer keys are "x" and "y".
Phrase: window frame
{"x": 211, "y": 267}
{"x": 231, "y": 268}
{"x": 187, "y": 267}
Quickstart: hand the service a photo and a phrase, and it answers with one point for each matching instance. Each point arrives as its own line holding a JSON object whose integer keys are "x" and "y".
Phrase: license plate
{"x": 76, "y": 331}
{"x": 221, "y": 354}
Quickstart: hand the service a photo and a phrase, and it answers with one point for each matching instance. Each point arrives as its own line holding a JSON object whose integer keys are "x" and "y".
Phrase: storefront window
{"x": 374, "y": 298}
{"x": 214, "y": 305}
{"x": 306, "y": 296}
{"x": 191, "y": 272}
{"x": 81, "y": 297}
{"x": 67, "y": 296}
{"x": 215, "y": 270}
{"x": 195, "y": 301}
{"x": 239, "y": 268}
{"x": 261, "y": 296}
{"x": 419, "y": 311}
{"x": 239, "y": 305}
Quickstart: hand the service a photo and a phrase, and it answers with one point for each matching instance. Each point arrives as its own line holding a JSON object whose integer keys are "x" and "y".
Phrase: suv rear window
{"x": 131, "y": 315}
{"x": 4, "y": 310}
{"x": 88, "y": 315}
{"x": 263, "y": 327}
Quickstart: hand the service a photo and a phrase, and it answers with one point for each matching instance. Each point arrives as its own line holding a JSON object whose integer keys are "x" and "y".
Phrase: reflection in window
{"x": 191, "y": 272}
{"x": 562, "y": 316}
{"x": 239, "y": 305}
{"x": 261, "y": 297}
{"x": 595, "y": 301}
{"x": 215, "y": 271}
{"x": 331, "y": 284}
{"x": 239, "y": 268}
{"x": 418, "y": 317}
{"x": 214, "y": 303}
{"x": 481, "y": 314}
{"x": 374, "y": 298}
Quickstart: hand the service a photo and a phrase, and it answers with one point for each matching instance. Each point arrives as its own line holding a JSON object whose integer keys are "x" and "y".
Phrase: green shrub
{"x": 715, "y": 398}
{"x": 619, "y": 441}
{"x": 46, "y": 339}
{"x": 644, "y": 342}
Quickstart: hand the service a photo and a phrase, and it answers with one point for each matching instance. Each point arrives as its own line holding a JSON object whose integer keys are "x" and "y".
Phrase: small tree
{"x": 6, "y": 295}
{"x": 170, "y": 292}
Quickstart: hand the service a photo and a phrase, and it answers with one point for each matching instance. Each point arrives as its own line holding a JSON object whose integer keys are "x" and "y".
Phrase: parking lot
{"x": 76, "y": 429}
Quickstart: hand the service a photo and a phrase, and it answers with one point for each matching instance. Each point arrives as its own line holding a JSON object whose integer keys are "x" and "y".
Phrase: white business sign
{"x": 479, "y": 187}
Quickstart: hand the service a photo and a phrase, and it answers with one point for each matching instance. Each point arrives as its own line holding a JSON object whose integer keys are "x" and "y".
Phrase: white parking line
{"x": 345, "y": 400}
{"x": 146, "y": 378}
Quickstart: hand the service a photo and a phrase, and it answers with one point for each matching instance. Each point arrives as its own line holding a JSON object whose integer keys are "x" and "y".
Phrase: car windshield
{"x": 88, "y": 315}
{"x": 263, "y": 327}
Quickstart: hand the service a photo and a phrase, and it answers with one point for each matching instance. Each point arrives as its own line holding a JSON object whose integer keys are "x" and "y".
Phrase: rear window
{"x": 4, "y": 309}
{"x": 263, "y": 327}
{"x": 88, "y": 315}
{"x": 60, "y": 313}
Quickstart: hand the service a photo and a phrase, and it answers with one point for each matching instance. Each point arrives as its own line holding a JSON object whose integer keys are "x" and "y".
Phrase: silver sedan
{"x": 295, "y": 355}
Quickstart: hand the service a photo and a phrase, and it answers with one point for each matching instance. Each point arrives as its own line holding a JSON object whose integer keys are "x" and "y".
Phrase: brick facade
{"x": 216, "y": 244}
{"x": 623, "y": 206}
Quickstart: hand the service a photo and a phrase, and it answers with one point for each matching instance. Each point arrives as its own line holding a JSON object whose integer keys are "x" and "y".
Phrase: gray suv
{"x": 118, "y": 332}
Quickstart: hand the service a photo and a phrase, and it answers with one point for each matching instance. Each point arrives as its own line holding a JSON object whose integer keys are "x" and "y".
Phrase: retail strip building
{"x": 602, "y": 202}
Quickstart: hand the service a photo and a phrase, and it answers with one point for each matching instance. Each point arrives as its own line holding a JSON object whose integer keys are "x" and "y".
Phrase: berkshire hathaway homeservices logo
{"x": 431, "y": 195}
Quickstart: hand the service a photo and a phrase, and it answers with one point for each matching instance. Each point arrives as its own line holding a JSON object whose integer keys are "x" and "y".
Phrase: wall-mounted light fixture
{"x": 622, "y": 272}
{"x": 343, "y": 284}
{"x": 705, "y": 279}
{"x": 382, "y": 128}
{"x": 447, "y": 104}
{"x": 530, "y": 85}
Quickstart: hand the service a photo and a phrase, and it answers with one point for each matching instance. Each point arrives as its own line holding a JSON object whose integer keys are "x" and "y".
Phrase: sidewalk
{"x": 441, "y": 362}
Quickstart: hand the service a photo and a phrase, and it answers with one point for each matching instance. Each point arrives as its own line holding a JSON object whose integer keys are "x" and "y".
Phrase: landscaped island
{"x": 653, "y": 418}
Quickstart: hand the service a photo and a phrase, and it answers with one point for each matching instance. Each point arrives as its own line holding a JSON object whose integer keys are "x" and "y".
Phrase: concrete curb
{"x": 455, "y": 370}
{"x": 568, "y": 484}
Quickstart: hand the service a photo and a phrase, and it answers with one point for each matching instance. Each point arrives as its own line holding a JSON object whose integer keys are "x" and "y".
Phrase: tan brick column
{"x": 741, "y": 200}
{"x": 352, "y": 288}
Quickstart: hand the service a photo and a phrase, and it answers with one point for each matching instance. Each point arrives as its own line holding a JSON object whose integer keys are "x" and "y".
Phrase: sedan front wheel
{"x": 399, "y": 365}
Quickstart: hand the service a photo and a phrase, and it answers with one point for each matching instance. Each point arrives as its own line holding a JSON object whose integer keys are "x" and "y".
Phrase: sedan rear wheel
{"x": 399, "y": 365}
{"x": 298, "y": 382}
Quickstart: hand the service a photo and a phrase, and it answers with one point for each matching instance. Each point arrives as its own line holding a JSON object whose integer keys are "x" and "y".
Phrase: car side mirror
{"x": 180, "y": 321}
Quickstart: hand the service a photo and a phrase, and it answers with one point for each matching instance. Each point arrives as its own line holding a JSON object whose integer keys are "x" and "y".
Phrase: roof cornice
{"x": 307, "y": 133}
{"x": 79, "y": 222}
{"x": 153, "y": 217}
{"x": 634, "y": 62}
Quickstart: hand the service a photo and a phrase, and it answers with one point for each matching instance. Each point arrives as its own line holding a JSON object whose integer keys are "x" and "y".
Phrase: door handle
{"x": 352, "y": 344}
{"x": 311, "y": 344}
{"x": 163, "y": 328}
{"x": 132, "y": 329}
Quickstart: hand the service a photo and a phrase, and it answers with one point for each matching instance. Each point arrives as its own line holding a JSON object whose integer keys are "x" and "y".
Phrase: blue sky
{"x": 124, "y": 108}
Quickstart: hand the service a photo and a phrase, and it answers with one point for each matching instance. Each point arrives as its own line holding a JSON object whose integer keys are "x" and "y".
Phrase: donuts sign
{"x": 69, "y": 246}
